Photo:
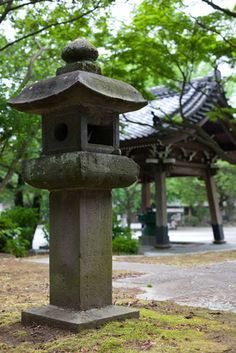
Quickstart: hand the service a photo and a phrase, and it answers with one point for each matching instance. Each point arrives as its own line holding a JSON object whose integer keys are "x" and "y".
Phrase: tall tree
{"x": 164, "y": 44}
{"x": 33, "y": 33}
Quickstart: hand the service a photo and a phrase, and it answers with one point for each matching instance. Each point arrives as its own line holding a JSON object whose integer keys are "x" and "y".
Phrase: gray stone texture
{"x": 80, "y": 65}
{"x": 80, "y": 249}
{"x": 78, "y": 50}
{"x": 80, "y": 170}
{"x": 74, "y": 320}
{"x": 78, "y": 88}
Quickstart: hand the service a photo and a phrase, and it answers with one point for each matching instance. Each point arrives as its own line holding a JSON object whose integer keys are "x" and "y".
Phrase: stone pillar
{"x": 146, "y": 196}
{"x": 216, "y": 218}
{"x": 162, "y": 238}
{"x": 80, "y": 249}
{"x": 80, "y": 164}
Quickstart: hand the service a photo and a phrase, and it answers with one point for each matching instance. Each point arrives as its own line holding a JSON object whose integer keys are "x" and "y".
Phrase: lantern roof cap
{"x": 78, "y": 88}
{"x": 79, "y": 83}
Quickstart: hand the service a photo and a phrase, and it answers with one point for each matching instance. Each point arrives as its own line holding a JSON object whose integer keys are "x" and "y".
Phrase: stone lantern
{"x": 80, "y": 164}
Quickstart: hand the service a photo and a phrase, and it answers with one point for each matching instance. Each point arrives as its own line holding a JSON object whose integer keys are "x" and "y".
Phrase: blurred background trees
{"x": 162, "y": 42}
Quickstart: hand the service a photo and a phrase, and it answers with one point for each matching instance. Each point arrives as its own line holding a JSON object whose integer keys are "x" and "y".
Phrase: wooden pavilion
{"x": 162, "y": 150}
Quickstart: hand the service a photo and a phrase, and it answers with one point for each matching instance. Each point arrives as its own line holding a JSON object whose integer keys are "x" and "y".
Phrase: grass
{"x": 183, "y": 260}
{"x": 163, "y": 327}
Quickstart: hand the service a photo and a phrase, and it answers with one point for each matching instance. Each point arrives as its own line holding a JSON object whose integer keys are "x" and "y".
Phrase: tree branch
{"x": 213, "y": 30}
{"x": 30, "y": 69}
{"x": 13, "y": 165}
{"x": 32, "y": 2}
{"x": 54, "y": 24}
{"x": 6, "y": 11}
{"x": 136, "y": 122}
{"x": 221, "y": 9}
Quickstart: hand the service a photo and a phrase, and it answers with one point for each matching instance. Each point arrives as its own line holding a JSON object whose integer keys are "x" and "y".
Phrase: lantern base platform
{"x": 76, "y": 320}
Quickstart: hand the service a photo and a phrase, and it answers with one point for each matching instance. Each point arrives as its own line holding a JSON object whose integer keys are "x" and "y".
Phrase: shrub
{"x": 8, "y": 229}
{"x": 122, "y": 242}
{"x": 17, "y": 227}
{"x": 16, "y": 246}
{"x": 192, "y": 221}
{"x": 124, "y": 245}
{"x": 24, "y": 217}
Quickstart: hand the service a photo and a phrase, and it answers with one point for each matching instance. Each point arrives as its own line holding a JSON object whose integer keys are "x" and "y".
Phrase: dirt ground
{"x": 163, "y": 326}
{"x": 182, "y": 260}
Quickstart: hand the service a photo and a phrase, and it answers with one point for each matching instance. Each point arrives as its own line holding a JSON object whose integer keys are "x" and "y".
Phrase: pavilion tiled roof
{"x": 199, "y": 98}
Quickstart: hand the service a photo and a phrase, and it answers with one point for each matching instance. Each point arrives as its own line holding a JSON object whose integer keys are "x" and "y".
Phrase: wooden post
{"x": 162, "y": 238}
{"x": 146, "y": 196}
{"x": 216, "y": 219}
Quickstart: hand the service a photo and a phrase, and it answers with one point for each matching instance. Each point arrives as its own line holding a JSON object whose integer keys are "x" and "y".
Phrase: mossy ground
{"x": 183, "y": 260}
{"x": 163, "y": 326}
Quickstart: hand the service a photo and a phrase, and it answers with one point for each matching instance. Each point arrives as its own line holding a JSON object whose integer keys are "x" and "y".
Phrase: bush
{"x": 124, "y": 245}
{"x": 192, "y": 221}
{"x": 17, "y": 227}
{"x": 8, "y": 229}
{"x": 122, "y": 242}
{"x": 16, "y": 246}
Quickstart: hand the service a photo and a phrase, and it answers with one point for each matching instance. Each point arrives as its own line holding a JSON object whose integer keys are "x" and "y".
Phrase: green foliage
{"x": 122, "y": 241}
{"x": 226, "y": 187}
{"x": 190, "y": 220}
{"x": 188, "y": 191}
{"x": 17, "y": 226}
{"x": 23, "y": 217}
{"x": 163, "y": 44}
{"x": 45, "y": 26}
{"x": 8, "y": 229}
{"x": 16, "y": 246}
{"x": 126, "y": 201}
{"x": 124, "y": 245}
{"x": 11, "y": 240}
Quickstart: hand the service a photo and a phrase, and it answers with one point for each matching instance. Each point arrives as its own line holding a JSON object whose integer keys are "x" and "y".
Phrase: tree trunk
{"x": 19, "y": 197}
{"x": 37, "y": 202}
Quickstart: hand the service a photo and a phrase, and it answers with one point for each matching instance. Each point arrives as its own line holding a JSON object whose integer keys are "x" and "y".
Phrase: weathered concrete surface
{"x": 74, "y": 320}
{"x": 80, "y": 242}
{"x": 80, "y": 170}
{"x": 211, "y": 286}
{"x": 189, "y": 240}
